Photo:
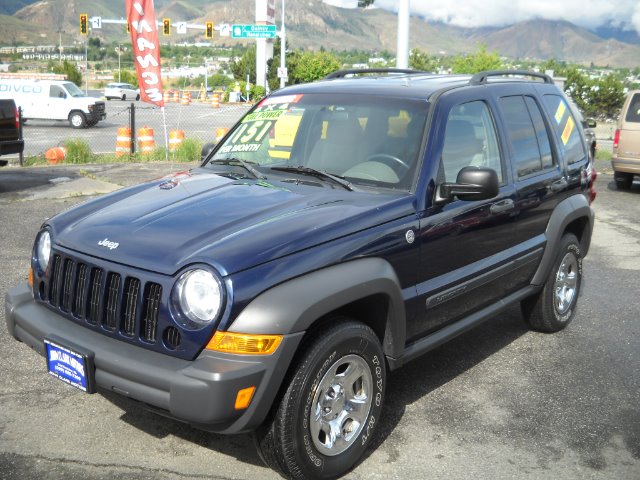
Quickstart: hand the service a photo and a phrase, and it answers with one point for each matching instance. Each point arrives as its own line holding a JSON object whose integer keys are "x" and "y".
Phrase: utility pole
{"x": 283, "y": 51}
{"x": 402, "y": 53}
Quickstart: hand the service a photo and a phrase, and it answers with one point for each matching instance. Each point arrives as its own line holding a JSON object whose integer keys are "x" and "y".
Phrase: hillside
{"x": 311, "y": 24}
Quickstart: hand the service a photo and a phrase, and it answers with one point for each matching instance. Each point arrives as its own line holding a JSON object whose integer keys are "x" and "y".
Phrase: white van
{"x": 53, "y": 100}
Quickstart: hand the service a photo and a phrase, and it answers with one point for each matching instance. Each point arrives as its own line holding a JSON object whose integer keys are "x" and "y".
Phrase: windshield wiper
{"x": 318, "y": 174}
{"x": 241, "y": 163}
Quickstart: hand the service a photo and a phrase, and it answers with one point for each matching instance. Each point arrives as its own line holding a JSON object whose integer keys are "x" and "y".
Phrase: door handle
{"x": 559, "y": 185}
{"x": 502, "y": 206}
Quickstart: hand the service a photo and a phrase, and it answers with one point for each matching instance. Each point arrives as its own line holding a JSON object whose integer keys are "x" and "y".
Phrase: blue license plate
{"x": 70, "y": 364}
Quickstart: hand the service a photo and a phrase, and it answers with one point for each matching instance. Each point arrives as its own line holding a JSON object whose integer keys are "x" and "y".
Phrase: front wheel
{"x": 553, "y": 308}
{"x": 77, "y": 119}
{"x": 331, "y": 406}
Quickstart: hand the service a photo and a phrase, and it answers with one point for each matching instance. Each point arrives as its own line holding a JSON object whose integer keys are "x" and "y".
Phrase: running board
{"x": 463, "y": 325}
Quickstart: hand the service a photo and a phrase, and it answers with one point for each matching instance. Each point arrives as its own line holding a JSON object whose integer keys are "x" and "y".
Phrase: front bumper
{"x": 201, "y": 392}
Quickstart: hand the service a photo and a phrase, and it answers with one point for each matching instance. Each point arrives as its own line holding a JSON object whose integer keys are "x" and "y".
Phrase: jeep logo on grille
{"x": 108, "y": 244}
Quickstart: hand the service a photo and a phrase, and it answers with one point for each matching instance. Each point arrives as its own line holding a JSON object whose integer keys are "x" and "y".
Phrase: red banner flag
{"x": 146, "y": 49}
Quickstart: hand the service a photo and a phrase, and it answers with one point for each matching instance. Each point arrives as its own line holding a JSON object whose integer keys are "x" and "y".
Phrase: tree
{"x": 606, "y": 96}
{"x": 478, "y": 62}
{"x": 70, "y": 71}
{"x": 419, "y": 60}
{"x": 309, "y": 66}
{"x": 246, "y": 65}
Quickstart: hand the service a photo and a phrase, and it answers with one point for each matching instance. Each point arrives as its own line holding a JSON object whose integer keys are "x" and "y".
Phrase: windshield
{"x": 73, "y": 90}
{"x": 365, "y": 139}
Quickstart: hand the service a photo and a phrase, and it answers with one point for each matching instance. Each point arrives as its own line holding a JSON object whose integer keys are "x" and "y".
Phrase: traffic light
{"x": 166, "y": 26}
{"x": 84, "y": 27}
{"x": 209, "y": 30}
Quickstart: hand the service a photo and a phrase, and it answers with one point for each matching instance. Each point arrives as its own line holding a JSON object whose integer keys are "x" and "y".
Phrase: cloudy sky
{"x": 468, "y": 13}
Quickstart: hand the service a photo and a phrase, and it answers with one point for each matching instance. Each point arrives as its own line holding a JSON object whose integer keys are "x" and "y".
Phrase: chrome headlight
{"x": 43, "y": 250}
{"x": 198, "y": 295}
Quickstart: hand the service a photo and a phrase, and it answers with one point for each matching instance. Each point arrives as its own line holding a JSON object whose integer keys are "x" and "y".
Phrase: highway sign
{"x": 254, "y": 31}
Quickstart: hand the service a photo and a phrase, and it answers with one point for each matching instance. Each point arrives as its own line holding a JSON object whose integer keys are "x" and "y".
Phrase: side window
{"x": 527, "y": 134}
{"x": 565, "y": 126}
{"x": 633, "y": 113}
{"x": 470, "y": 140}
{"x": 56, "y": 92}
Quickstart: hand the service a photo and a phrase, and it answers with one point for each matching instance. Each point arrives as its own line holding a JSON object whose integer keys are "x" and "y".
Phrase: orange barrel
{"x": 175, "y": 139}
{"x": 55, "y": 155}
{"x": 123, "y": 141}
{"x": 215, "y": 102}
{"x": 146, "y": 142}
{"x": 166, "y": 96}
{"x": 186, "y": 98}
{"x": 175, "y": 96}
{"x": 221, "y": 132}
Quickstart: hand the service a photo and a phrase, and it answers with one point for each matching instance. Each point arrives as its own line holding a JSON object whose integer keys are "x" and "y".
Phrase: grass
{"x": 79, "y": 152}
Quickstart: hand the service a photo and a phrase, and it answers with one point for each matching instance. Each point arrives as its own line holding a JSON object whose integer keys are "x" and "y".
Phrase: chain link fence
{"x": 135, "y": 128}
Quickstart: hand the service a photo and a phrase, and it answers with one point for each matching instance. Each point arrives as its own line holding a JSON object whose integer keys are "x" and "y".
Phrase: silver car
{"x": 123, "y": 91}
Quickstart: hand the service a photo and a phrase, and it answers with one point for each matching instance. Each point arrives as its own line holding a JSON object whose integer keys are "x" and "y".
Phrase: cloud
{"x": 590, "y": 14}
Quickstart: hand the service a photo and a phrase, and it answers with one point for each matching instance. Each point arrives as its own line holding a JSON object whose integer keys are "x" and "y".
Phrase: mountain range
{"x": 311, "y": 24}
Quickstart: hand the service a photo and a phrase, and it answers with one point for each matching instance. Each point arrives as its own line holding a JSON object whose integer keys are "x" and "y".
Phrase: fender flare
{"x": 295, "y": 305}
{"x": 573, "y": 208}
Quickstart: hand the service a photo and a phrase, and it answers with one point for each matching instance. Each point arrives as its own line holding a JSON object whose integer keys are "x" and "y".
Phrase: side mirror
{"x": 591, "y": 123}
{"x": 207, "y": 148}
{"x": 473, "y": 183}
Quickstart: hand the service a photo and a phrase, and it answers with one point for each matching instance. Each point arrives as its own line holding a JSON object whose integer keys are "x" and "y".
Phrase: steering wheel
{"x": 388, "y": 160}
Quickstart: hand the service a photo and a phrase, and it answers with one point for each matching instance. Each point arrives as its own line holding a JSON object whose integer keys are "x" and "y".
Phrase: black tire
{"x": 138, "y": 97}
{"x": 623, "y": 180}
{"x": 77, "y": 119}
{"x": 337, "y": 365}
{"x": 553, "y": 308}
{"x": 124, "y": 97}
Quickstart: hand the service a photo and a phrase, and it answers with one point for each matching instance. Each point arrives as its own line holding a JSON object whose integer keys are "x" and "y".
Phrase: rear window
{"x": 565, "y": 126}
{"x": 633, "y": 113}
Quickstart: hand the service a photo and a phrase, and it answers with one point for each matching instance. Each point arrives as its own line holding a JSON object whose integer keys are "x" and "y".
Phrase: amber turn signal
{"x": 31, "y": 277}
{"x": 244, "y": 343}
{"x": 243, "y": 399}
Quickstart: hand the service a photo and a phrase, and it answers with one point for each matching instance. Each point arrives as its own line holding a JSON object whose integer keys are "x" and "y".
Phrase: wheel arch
{"x": 572, "y": 215}
{"x": 366, "y": 290}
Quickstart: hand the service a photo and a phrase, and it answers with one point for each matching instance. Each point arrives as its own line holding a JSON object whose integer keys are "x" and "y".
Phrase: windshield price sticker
{"x": 251, "y": 134}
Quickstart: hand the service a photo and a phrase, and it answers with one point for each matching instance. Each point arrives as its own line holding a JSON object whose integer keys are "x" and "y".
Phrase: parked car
{"x": 122, "y": 91}
{"x": 11, "y": 141}
{"x": 273, "y": 293}
{"x": 626, "y": 142}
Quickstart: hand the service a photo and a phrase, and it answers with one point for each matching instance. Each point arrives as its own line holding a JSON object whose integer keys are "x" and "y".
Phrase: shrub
{"x": 78, "y": 151}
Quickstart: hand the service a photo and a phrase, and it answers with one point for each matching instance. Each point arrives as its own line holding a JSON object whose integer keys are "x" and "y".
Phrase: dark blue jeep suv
{"x": 339, "y": 230}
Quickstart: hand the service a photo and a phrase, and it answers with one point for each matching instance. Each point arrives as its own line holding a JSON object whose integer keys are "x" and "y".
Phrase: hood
{"x": 230, "y": 224}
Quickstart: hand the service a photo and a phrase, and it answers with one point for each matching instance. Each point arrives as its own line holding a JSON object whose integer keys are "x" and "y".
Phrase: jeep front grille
{"x": 103, "y": 299}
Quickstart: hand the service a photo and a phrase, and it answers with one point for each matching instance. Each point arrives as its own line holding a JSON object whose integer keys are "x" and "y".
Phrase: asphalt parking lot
{"x": 499, "y": 402}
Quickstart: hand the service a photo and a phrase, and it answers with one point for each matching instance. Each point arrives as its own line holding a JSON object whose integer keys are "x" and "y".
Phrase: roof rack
{"x": 483, "y": 77}
{"x": 355, "y": 71}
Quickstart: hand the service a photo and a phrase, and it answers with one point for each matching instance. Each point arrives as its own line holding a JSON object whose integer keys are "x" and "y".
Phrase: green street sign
{"x": 254, "y": 31}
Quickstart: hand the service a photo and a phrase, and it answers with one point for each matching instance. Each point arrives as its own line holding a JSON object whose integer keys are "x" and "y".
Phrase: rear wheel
{"x": 331, "y": 406}
{"x": 623, "y": 180}
{"x": 124, "y": 97}
{"x": 553, "y": 308}
{"x": 77, "y": 119}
